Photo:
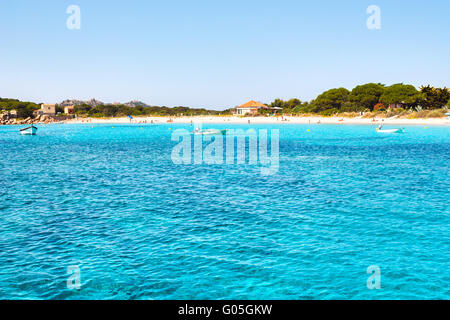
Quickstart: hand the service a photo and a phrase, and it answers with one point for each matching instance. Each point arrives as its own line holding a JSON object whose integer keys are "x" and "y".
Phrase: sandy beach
{"x": 266, "y": 120}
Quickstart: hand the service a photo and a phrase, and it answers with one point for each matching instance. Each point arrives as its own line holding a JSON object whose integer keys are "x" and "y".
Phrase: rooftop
{"x": 253, "y": 104}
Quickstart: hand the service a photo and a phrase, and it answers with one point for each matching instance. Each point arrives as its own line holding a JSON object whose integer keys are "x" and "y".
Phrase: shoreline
{"x": 262, "y": 120}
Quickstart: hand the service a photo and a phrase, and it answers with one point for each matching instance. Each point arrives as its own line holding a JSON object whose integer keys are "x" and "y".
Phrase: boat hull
{"x": 390, "y": 131}
{"x": 30, "y": 131}
{"x": 210, "y": 132}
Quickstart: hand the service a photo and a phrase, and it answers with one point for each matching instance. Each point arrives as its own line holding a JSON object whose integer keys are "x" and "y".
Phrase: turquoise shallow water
{"x": 110, "y": 200}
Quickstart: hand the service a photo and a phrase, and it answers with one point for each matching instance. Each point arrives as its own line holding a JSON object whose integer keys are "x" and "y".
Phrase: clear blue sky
{"x": 217, "y": 54}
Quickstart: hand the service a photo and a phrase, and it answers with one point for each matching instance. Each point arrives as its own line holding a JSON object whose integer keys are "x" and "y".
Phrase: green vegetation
{"x": 400, "y": 95}
{"x": 120, "y": 110}
{"x": 434, "y": 98}
{"x": 331, "y": 101}
{"x": 371, "y": 98}
{"x": 365, "y": 97}
{"x": 293, "y": 106}
{"x": 24, "y": 109}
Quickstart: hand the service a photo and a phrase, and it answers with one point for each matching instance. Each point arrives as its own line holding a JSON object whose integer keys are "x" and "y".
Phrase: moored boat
{"x": 397, "y": 130}
{"x": 210, "y": 132}
{"x": 29, "y": 131}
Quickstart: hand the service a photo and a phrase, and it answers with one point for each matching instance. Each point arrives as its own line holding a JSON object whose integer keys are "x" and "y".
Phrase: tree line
{"x": 24, "y": 109}
{"x": 120, "y": 110}
{"x": 369, "y": 97}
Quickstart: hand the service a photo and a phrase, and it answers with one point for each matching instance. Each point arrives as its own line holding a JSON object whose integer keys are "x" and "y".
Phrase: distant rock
{"x": 135, "y": 103}
{"x": 92, "y": 103}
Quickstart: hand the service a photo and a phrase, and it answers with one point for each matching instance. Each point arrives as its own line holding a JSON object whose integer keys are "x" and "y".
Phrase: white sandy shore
{"x": 266, "y": 120}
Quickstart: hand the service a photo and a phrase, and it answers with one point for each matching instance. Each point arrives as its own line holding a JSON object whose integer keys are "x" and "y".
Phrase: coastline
{"x": 264, "y": 120}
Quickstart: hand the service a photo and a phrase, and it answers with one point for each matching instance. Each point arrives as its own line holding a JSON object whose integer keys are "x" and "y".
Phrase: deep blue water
{"x": 108, "y": 199}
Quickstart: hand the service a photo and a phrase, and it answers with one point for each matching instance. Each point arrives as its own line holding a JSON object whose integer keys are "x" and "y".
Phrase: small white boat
{"x": 210, "y": 132}
{"x": 29, "y": 131}
{"x": 398, "y": 130}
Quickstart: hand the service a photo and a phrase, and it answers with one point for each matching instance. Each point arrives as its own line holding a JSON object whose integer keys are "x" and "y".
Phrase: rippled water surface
{"x": 110, "y": 200}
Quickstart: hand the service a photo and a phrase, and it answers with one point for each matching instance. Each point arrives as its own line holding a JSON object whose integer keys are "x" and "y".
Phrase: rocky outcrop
{"x": 92, "y": 103}
{"x": 134, "y": 104}
{"x": 6, "y": 119}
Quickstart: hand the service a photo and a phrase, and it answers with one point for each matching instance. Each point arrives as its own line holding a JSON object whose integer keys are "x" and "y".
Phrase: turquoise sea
{"x": 109, "y": 200}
